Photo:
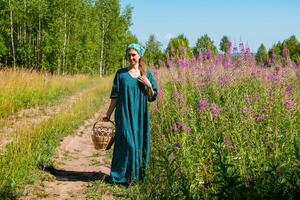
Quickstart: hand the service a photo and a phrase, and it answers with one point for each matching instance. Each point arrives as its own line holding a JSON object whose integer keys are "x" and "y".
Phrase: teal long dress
{"x": 132, "y": 120}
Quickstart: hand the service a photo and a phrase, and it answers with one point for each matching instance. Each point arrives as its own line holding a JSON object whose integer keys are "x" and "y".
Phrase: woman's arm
{"x": 113, "y": 103}
{"x": 150, "y": 92}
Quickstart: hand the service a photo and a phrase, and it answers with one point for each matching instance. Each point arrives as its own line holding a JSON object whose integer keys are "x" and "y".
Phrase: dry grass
{"x": 22, "y": 88}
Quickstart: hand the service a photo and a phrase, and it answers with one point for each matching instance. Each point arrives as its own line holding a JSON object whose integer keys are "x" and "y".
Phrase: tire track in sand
{"x": 76, "y": 164}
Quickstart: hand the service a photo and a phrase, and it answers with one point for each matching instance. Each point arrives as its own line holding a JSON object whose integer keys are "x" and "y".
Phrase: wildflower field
{"x": 225, "y": 128}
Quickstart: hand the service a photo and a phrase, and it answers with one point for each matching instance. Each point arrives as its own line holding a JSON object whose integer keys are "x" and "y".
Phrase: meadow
{"x": 224, "y": 128}
{"x": 23, "y": 89}
{"x": 33, "y": 146}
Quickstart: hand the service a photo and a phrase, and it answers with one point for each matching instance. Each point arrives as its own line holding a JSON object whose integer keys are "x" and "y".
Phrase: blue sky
{"x": 253, "y": 22}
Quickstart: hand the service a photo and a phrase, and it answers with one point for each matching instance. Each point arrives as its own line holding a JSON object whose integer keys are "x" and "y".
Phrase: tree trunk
{"x": 12, "y": 34}
{"x": 65, "y": 43}
{"x": 101, "y": 52}
{"x": 38, "y": 43}
{"x": 24, "y": 24}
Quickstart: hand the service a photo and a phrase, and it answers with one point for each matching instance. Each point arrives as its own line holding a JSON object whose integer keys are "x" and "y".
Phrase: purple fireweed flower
{"x": 215, "y": 110}
{"x": 245, "y": 109}
{"x": 182, "y": 49}
{"x": 174, "y": 127}
{"x": 288, "y": 104}
{"x": 258, "y": 117}
{"x": 183, "y": 63}
{"x": 208, "y": 54}
{"x": 253, "y": 73}
{"x": 177, "y": 145}
{"x": 278, "y": 173}
{"x": 207, "y": 184}
{"x": 219, "y": 59}
{"x": 298, "y": 82}
{"x": 269, "y": 77}
{"x": 235, "y": 49}
{"x": 263, "y": 110}
{"x": 226, "y": 63}
{"x": 187, "y": 130}
{"x": 288, "y": 90}
{"x": 270, "y": 90}
{"x": 248, "y": 51}
{"x": 202, "y": 104}
{"x": 169, "y": 62}
{"x": 223, "y": 79}
{"x": 248, "y": 100}
{"x": 199, "y": 57}
{"x": 160, "y": 92}
{"x": 178, "y": 97}
{"x": 270, "y": 62}
{"x": 255, "y": 98}
{"x": 180, "y": 125}
{"x": 241, "y": 46}
{"x": 194, "y": 59}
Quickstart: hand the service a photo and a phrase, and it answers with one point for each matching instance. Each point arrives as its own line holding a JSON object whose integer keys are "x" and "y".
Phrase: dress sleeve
{"x": 115, "y": 87}
{"x": 154, "y": 85}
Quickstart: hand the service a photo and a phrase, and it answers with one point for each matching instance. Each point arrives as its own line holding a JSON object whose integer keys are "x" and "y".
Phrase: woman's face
{"x": 133, "y": 57}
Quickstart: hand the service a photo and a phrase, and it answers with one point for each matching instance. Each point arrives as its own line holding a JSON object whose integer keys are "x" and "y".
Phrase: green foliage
{"x": 225, "y": 44}
{"x": 153, "y": 51}
{"x": 277, "y": 48}
{"x": 178, "y": 47}
{"x": 69, "y": 36}
{"x": 3, "y": 49}
{"x": 205, "y": 43}
{"x": 262, "y": 55}
{"x": 292, "y": 45}
{"x": 275, "y": 52}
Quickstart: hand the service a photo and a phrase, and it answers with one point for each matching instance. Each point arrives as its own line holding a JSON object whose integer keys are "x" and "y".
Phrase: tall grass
{"x": 34, "y": 147}
{"x": 22, "y": 89}
{"x": 224, "y": 131}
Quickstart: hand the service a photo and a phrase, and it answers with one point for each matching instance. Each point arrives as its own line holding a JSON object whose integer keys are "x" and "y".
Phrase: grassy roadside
{"x": 34, "y": 147}
{"x": 22, "y": 89}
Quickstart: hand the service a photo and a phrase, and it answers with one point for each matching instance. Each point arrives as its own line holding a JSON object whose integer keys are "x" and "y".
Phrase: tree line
{"x": 89, "y": 36}
{"x": 64, "y": 36}
{"x": 178, "y": 47}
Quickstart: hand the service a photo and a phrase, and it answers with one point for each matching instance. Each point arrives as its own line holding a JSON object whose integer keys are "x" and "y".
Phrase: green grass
{"x": 34, "y": 147}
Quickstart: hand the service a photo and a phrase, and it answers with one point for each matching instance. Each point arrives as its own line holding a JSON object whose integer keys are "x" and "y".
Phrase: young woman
{"x": 132, "y": 88}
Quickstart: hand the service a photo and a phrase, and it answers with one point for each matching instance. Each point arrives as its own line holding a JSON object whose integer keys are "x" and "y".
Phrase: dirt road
{"x": 77, "y": 163}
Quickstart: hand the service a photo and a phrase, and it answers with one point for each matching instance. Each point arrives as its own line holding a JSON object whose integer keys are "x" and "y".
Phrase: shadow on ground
{"x": 63, "y": 175}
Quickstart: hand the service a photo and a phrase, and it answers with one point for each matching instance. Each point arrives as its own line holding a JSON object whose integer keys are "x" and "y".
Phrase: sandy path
{"x": 29, "y": 117}
{"x": 76, "y": 164}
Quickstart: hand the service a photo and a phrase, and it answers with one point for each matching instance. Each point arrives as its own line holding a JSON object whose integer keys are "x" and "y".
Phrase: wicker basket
{"x": 103, "y": 135}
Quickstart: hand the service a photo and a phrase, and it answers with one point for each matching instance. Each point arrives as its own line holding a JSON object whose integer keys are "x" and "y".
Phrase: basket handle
{"x": 101, "y": 120}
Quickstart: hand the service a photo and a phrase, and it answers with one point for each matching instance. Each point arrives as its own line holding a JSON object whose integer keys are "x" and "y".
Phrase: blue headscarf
{"x": 140, "y": 50}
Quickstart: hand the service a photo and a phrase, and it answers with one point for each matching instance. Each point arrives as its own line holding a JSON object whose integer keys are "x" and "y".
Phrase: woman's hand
{"x": 106, "y": 119}
{"x": 112, "y": 105}
{"x": 143, "y": 79}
